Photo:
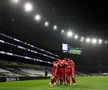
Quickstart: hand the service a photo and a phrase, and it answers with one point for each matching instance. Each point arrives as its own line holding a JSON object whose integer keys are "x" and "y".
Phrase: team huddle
{"x": 62, "y": 71}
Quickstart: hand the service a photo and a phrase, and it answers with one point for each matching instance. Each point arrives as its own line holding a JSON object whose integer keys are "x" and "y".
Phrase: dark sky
{"x": 88, "y": 18}
{"x": 85, "y": 17}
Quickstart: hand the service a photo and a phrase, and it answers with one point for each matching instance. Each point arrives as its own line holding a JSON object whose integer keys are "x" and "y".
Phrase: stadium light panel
{"x": 69, "y": 34}
{"x": 46, "y": 23}
{"x": 94, "y": 41}
{"x": 55, "y": 27}
{"x": 76, "y": 36}
{"x": 28, "y": 7}
{"x": 62, "y": 31}
{"x": 37, "y": 17}
{"x": 100, "y": 41}
{"x": 88, "y": 40}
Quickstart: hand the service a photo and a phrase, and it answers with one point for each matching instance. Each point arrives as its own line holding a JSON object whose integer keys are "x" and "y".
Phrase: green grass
{"x": 83, "y": 83}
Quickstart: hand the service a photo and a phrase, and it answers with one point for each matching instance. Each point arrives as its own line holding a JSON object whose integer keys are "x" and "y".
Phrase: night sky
{"x": 85, "y": 17}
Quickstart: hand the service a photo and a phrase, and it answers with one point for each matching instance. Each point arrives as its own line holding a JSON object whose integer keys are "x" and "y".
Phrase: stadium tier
{"x": 24, "y": 51}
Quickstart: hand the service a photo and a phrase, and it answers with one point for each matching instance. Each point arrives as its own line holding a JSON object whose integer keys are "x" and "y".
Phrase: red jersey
{"x": 54, "y": 69}
{"x": 62, "y": 63}
{"x": 73, "y": 68}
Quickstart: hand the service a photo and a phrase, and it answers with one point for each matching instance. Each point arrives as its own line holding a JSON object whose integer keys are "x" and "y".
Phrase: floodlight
{"x": 69, "y": 34}
{"x": 37, "y": 17}
{"x": 55, "y": 27}
{"x": 46, "y": 23}
{"x": 100, "y": 41}
{"x": 76, "y": 36}
{"x": 94, "y": 41}
{"x": 62, "y": 31}
{"x": 28, "y": 7}
{"x": 88, "y": 40}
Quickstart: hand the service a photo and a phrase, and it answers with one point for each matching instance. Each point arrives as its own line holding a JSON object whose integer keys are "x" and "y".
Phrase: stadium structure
{"x": 29, "y": 44}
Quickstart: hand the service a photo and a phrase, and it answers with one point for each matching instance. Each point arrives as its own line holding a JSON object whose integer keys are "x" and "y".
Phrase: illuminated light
{"x": 35, "y": 52}
{"x": 16, "y": 40}
{"x": 2, "y": 52}
{"x": 25, "y": 43}
{"x": 69, "y": 34}
{"x": 39, "y": 60}
{"x": 27, "y": 57}
{"x": 37, "y": 17}
{"x": 32, "y": 46}
{"x": 46, "y": 23}
{"x": 28, "y": 7}
{"x": 34, "y": 59}
{"x": 100, "y": 41}
{"x": 1, "y": 41}
{"x": 62, "y": 31}
{"x": 42, "y": 50}
{"x": 29, "y": 50}
{"x": 94, "y": 41}
{"x": 49, "y": 62}
{"x": 15, "y": 1}
{"x": 11, "y": 54}
{"x": 76, "y": 36}
{"x": 21, "y": 47}
{"x": 82, "y": 39}
{"x": 88, "y": 40}
{"x": 55, "y": 27}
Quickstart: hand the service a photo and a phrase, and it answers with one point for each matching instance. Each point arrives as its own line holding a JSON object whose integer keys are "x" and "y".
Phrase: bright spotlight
{"x": 46, "y": 24}
{"x": 82, "y": 39}
{"x": 76, "y": 37}
{"x": 100, "y": 41}
{"x": 55, "y": 27}
{"x": 15, "y": 1}
{"x": 28, "y": 7}
{"x": 69, "y": 34}
{"x": 88, "y": 40}
{"x": 94, "y": 41}
{"x": 62, "y": 31}
{"x": 37, "y": 17}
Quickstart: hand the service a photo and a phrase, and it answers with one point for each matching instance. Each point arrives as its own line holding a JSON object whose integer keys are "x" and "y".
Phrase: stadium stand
{"x": 7, "y": 73}
{"x": 19, "y": 49}
{"x": 12, "y": 69}
{"x": 32, "y": 72}
{"x": 80, "y": 74}
{"x": 22, "y": 59}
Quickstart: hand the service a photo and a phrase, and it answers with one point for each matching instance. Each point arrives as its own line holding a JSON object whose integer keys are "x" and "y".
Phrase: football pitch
{"x": 83, "y": 83}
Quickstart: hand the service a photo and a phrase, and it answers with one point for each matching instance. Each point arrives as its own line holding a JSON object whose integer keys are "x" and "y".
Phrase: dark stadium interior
{"x": 84, "y": 17}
